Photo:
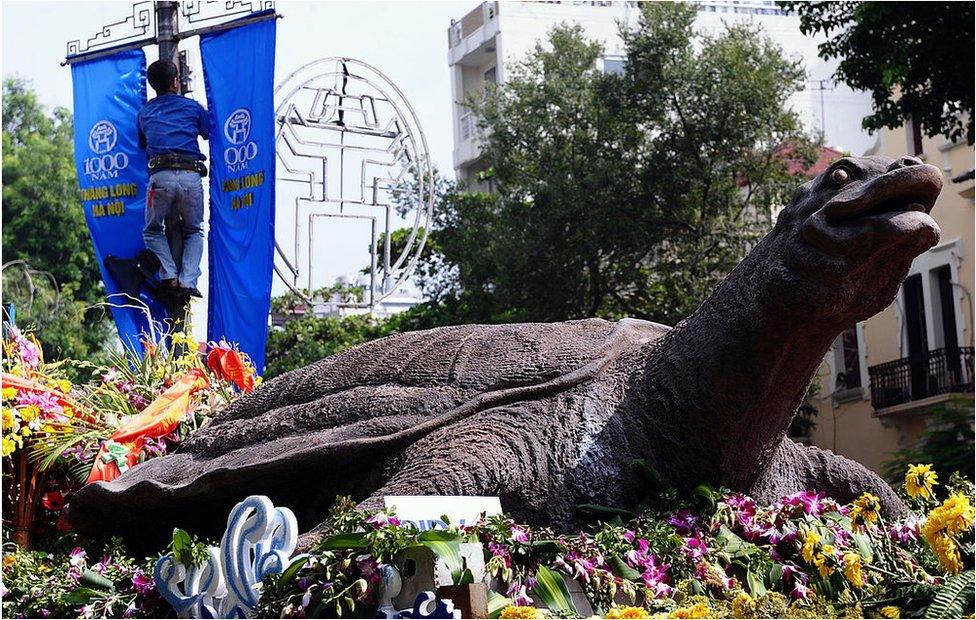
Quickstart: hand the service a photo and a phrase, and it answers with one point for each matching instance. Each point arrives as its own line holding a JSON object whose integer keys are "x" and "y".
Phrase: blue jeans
{"x": 176, "y": 192}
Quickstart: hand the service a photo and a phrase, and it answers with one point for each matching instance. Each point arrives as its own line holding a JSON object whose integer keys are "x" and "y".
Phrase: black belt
{"x": 173, "y": 161}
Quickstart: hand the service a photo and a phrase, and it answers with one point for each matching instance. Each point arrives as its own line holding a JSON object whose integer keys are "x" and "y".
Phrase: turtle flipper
{"x": 795, "y": 468}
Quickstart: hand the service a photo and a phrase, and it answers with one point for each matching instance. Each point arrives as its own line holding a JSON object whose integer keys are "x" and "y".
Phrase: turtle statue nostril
{"x": 904, "y": 162}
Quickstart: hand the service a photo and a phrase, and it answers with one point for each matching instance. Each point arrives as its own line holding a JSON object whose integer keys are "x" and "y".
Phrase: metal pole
{"x": 167, "y": 33}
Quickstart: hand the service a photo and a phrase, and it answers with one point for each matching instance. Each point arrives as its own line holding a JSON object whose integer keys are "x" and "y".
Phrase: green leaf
{"x": 621, "y": 569}
{"x": 467, "y": 577}
{"x": 728, "y": 542}
{"x": 93, "y": 579}
{"x": 655, "y": 481}
{"x": 955, "y": 598}
{"x": 551, "y": 588}
{"x": 605, "y": 513}
{"x": 756, "y": 586}
{"x": 707, "y": 497}
{"x": 289, "y": 574}
{"x": 351, "y": 540}
{"x": 83, "y": 596}
{"x": 775, "y": 573}
{"x": 181, "y": 542}
{"x": 496, "y": 603}
{"x": 447, "y": 547}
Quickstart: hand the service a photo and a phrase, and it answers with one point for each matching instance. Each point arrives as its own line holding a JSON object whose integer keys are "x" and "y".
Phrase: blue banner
{"x": 238, "y": 69}
{"x": 112, "y": 174}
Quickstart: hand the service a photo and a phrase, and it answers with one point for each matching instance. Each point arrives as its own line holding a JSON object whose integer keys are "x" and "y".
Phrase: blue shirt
{"x": 170, "y": 123}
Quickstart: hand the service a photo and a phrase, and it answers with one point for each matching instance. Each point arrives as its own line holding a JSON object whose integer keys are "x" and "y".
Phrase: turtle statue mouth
{"x": 889, "y": 210}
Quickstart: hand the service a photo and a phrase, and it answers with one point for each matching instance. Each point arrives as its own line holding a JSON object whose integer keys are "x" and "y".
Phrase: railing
{"x": 942, "y": 371}
{"x": 469, "y": 125}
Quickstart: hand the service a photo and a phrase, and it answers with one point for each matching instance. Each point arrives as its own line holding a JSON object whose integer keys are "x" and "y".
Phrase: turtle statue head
{"x": 849, "y": 236}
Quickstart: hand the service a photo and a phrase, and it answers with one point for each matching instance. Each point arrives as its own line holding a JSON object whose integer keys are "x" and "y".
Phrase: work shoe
{"x": 191, "y": 291}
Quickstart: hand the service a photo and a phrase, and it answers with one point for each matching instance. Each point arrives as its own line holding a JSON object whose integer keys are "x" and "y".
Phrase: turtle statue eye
{"x": 840, "y": 176}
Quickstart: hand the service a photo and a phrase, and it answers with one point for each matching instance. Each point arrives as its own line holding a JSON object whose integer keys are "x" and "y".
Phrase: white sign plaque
{"x": 425, "y": 511}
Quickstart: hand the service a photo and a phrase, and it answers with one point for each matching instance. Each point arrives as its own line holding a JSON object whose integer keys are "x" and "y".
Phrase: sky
{"x": 407, "y": 41}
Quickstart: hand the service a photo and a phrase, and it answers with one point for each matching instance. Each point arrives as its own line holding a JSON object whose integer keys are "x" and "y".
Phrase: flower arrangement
{"x": 59, "y": 433}
{"x": 803, "y": 556}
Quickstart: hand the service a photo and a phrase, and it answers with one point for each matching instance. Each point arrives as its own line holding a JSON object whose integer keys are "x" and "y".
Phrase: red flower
{"x": 53, "y": 500}
{"x": 229, "y": 365}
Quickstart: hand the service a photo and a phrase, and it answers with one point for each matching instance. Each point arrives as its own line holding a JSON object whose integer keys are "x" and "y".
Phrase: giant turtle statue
{"x": 548, "y": 416}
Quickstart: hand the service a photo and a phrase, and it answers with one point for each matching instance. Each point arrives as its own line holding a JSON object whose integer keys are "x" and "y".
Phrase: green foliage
{"x": 187, "y": 550}
{"x": 44, "y": 226}
{"x": 551, "y": 590}
{"x": 93, "y": 583}
{"x": 624, "y": 194}
{"x": 955, "y": 598}
{"x": 915, "y": 58}
{"x": 309, "y": 339}
{"x": 948, "y": 441}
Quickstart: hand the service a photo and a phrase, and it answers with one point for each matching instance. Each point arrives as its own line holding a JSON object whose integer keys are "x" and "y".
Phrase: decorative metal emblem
{"x": 258, "y": 542}
{"x": 350, "y": 146}
{"x": 199, "y": 11}
{"x": 134, "y": 27}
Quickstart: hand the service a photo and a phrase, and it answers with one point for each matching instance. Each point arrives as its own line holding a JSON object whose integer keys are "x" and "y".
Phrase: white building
{"x": 493, "y": 34}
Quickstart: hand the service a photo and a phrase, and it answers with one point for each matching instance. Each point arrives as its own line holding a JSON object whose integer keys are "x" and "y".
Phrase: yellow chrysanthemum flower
{"x": 8, "y": 419}
{"x": 919, "y": 481}
{"x": 9, "y": 560}
{"x": 699, "y": 610}
{"x": 9, "y": 393}
{"x": 743, "y": 606}
{"x": 865, "y": 510}
{"x": 891, "y": 612}
{"x": 29, "y": 413}
{"x": 947, "y": 552}
{"x": 627, "y": 612}
{"x": 853, "y": 569}
{"x": 513, "y": 611}
{"x": 810, "y": 546}
{"x": 8, "y": 446}
{"x": 64, "y": 385}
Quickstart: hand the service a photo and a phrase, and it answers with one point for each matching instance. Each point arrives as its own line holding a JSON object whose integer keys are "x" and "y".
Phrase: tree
{"x": 915, "y": 58}
{"x": 618, "y": 195}
{"x": 948, "y": 442}
{"x": 44, "y": 226}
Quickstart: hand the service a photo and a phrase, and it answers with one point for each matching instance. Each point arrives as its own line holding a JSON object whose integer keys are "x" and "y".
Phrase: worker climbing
{"x": 168, "y": 126}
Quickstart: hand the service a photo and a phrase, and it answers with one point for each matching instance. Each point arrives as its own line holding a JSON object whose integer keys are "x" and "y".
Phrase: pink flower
{"x": 381, "y": 519}
{"x": 45, "y": 401}
{"x": 811, "y": 501}
{"x": 694, "y": 547}
{"x": 142, "y": 583}
{"x": 629, "y": 536}
{"x": 520, "y": 598}
{"x": 111, "y": 375}
{"x": 518, "y": 534}
{"x": 77, "y": 556}
{"x": 684, "y": 521}
{"x": 26, "y": 349}
{"x": 800, "y": 591}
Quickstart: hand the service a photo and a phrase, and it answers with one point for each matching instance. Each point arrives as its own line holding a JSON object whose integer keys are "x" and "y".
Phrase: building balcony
{"x": 913, "y": 384}
{"x": 467, "y": 38}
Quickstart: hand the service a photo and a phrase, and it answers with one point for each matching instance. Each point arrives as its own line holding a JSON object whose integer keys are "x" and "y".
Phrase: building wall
{"x": 851, "y": 427}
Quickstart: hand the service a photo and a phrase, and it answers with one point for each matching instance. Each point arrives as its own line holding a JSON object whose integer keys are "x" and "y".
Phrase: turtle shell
{"x": 332, "y": 427}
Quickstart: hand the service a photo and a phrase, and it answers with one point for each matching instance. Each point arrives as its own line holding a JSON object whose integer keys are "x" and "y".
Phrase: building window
{"x": 847, "y": 358}
{"x": 914, "y": 137}
{"x": 614, "y": 65}
{"x": 491, "y": 76}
